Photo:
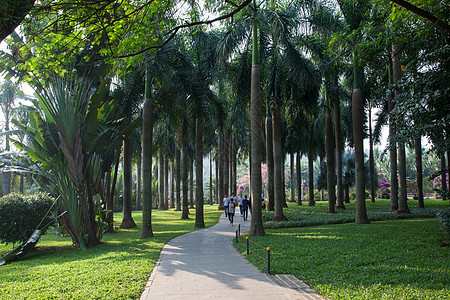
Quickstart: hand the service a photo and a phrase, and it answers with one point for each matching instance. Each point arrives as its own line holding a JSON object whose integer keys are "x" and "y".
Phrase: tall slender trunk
{"x": 292, "y": 178}
{"x": 234, "y": 165}
{"x": 402, "y": 195}
{"x": 226, "y": 165}
{"x": 221, "y": 160}
{"x": 161, "y": 177}
{"x": 138, "y": 181}
{"x": 392, "y": 150}
{"x": 269, "y": 159}
{"x": 166, "y": 181}
{"x": 311, "y": 201}
{"x": 127, "y": 221}
{"x": 299, "y": 179}
{"x": 283, "y": 177}
{"x": 6, "y": 176}
{"x": 199, "y": 220}
{"x": 147, "y": 140}
{"x": 110, "y": 197}
{"x": 185, "y": 173}
{"x": 216, "y": 179}
{"x": 178, "y": 178}
{"x": 256, "y": 224}
{"x": 330, "y": 153}
{"x": 371, "y": 159}
{"x": 277, "y": 159}
{"x": 443, "y": 177}
{"x": 358, "y": 137}
{"x": 210, "y": 179}
{"x": 191, "y": 182}
{"x": 419, "y": 175}
{"x": 21, "y": 184}
{"x": 172, "y": 184}
{"x": 338, "y": 142}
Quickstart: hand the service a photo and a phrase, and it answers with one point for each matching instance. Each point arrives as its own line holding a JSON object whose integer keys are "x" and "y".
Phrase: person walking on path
{"x": 231, "y": 210}
{"x": 240, "y": 199}
{"x": 245, "y": 205}
{"x": 226, "y": 203}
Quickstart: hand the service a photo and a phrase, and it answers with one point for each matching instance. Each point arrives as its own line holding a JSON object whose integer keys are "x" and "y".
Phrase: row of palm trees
{"x": 209, "y": 90}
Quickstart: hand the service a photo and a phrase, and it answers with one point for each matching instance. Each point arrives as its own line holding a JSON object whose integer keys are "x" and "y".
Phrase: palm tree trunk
{"x": 185, "y": 172}
{"x": 234, "y": 165}
{"x": 161, "y": 204}
{"x": 419, "y": 176}
{"x": 299, "y": 179}
{"x": 292, "y": 178}
{"x": 283, "y": 177}
{"x": 402, "y": 195}
{"x": 199, "y": 220}
{"x": 127, "y": 221}
{"x": 191, "y": 182}
{"x": 221, "y": 160}
{"x": 178, "y": 178}
{"x": 277, "y": 174}
{"x": 110, "y": 196}
{"x": 147, "y": 145}
{"x": 443, "y": 178}
{"x": 371, "y": 160}
{"x": 392, "y": 151}
{"x": 226, "y": 165}
{"x": 166, "y": 181}
{"x": 338, "y": 142}
{"x": 210, "y": 180}
{"x": 330, "y": 153}
{"x": 138, "y": 183}
{"x": 172, "y": 184}
{"x": 311, "y": 176}
{"x": 358, "y": 137}
{"x": 256, "y": 224}
{"x": 269, "y": 159}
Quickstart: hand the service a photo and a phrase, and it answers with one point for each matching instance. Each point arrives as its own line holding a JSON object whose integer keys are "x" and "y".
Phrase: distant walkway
{"x": 204, "y": 265}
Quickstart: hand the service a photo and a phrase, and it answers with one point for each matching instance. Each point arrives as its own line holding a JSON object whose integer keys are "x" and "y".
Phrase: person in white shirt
{"x": 226, "y": 203}
{"x": 240, "y": 199}
{"x": 231, "y": 210}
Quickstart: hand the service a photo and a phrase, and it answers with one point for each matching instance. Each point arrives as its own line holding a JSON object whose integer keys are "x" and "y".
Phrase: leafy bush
{"x": 21, "y": 214}
{"x": 444, "y": 218}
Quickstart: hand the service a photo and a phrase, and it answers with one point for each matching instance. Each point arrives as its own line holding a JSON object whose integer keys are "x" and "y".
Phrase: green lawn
{"x": 394, "y": 259}
{"x": 117, "y": 269}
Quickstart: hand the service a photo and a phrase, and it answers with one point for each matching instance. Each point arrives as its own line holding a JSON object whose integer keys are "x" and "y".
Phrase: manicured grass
{"x": 304, "y": 215}
{"x": 117, "y": 269}
{"x": 394, "y": 259}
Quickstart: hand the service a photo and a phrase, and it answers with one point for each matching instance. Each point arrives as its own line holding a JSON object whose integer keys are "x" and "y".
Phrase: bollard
{"x": 268, "y": 260}
{"x": 236, "y": 235}
{"x": 239, "y": 228}
{"x": 247, "y": 244}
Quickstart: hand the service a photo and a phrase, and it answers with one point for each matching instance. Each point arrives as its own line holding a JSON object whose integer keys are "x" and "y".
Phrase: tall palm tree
{"x": 8, "y": 95}
{"x": 147, "y": 143}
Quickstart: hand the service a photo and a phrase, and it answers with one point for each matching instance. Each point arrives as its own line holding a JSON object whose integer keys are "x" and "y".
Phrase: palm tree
{"x": 147, "y": 138}
{"x": 8, "y": 95}
{"x": 256, "y": 226}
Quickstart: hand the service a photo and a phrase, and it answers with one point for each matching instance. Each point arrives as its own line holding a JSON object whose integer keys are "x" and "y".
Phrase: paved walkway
{"x": 204, "y": 265}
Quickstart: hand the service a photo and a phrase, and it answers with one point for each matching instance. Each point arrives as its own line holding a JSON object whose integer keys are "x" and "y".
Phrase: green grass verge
{"x": 394, "y": 259}
{"x": 304, "y": 215}
{"x": 117, "y": 269}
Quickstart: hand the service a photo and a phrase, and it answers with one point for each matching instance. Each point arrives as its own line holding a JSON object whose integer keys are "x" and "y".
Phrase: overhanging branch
{"x": 423, "y": 13}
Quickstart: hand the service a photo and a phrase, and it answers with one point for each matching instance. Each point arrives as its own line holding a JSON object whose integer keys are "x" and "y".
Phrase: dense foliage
{"x": 21, "y": 214}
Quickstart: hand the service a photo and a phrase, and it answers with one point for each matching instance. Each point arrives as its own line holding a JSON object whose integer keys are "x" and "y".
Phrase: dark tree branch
{"x": 423, "y": 13}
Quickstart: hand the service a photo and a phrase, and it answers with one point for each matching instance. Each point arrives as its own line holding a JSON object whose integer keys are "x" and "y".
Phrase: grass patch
{"x": 393, "y": 259}
{"x": 117, "y": 269}
{"x": 304, "y": 215}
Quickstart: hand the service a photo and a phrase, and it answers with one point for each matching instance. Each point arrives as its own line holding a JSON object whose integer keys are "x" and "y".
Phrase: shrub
{"x": 21, "y": 214}
{"x": 444, "y": 218}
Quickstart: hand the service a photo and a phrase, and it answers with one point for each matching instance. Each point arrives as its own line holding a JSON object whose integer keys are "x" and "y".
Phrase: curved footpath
{"x": 205, "y": 265}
